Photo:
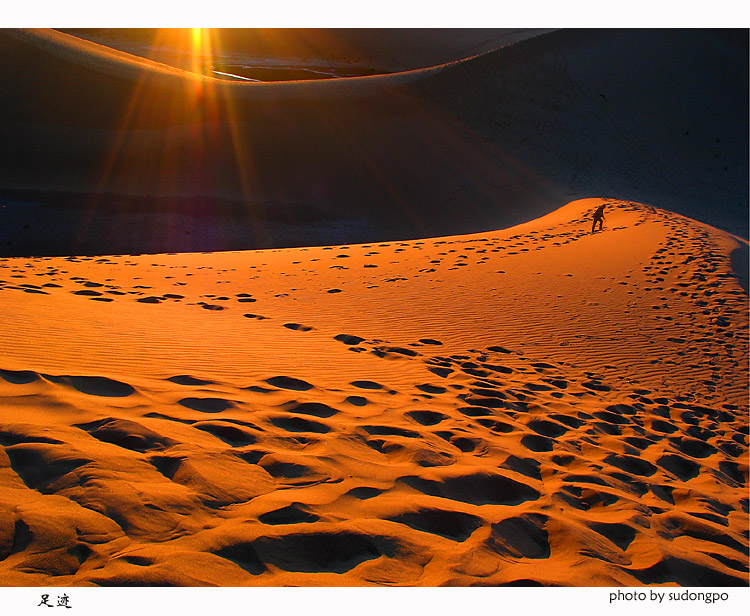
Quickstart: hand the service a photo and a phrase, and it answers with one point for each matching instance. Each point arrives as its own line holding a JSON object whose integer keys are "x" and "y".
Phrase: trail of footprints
{"x": 454, "y": 255}
{"x": 491, "y": 453}
{"x": 686, "y": 269}
{"x": 486, "y": 428}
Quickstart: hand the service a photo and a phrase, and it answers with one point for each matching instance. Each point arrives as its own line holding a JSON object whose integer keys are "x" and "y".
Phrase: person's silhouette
{"x": 598, "y": 218}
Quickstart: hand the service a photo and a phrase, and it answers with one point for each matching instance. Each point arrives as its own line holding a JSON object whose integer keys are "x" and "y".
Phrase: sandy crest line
{"x": 401, "y": 312}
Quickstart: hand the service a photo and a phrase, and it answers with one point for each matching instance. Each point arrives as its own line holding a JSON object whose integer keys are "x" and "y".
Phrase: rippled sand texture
{"x": 539, "y": 405}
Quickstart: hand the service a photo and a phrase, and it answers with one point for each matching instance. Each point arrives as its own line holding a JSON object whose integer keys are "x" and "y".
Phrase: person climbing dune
{"x": 598, "y": 218}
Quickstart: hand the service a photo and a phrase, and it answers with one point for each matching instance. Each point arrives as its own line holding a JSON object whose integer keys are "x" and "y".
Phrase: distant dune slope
{"x": 109, "y": 144}
{"x": 387, "y": 50}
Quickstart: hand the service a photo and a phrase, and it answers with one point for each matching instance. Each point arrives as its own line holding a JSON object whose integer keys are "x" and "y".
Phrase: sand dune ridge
{"x": 415, "y": 428}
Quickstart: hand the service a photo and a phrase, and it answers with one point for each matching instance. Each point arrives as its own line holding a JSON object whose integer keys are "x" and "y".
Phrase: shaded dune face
{"x": 421, "y": 429}
{"x": 475, "y": 145}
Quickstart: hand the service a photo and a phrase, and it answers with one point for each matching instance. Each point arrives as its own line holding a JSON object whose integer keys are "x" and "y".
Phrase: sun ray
{"x": 166, "y": 162}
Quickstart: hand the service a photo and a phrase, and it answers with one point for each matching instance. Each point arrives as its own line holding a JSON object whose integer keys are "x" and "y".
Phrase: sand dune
{"x": 410, "y": 396}
{"x": 539, "y": 405}
{"x": 102, "y": 145}
{"x": 384, "y": 50}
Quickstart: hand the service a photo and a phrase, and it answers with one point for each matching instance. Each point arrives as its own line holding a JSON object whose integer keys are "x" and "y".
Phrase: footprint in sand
{"x": 19, "y": 377}
{"x": 631, "y": 464}
{"x": 536, "y": 443}
{"x": 350, "y": 340}
{"x": 94, "y": 385}
{"x": 427, "y": 418}
{"x": 679, "y": 466}
{"x": 41, "y": 464}
{"x": 321, "y": 552}
{"x": 480, "y": 488}
{"x": 296, "y": 513}
{"x": 390, "y": 431}
{"x": 126, "y": 434}
{"x": 299, "y": 424}
{"x": 393, "y": 352}
{"x": 524, "y": 466}
{"x": 227, "y": 432}
{"x": 453, "y": 525}
{"x": 298, "y": 327}
{"x": 316, "y": 409}
{"x": 364, "y": 492}
{"x": 371, "y": 385}
{"x": 547, "y": 428}
{"x": 258, "y": 390}
{"x": 287, "y": 382}
{"x": 524, "y": 536}
{"x": 622, "y": 535}
{"x": 431, "y": 389}
{"x": 87, "y": 292}
{"x": 441, "y": 372}
{"x": 207, "y": 405}
{"x": 184, "y": 379}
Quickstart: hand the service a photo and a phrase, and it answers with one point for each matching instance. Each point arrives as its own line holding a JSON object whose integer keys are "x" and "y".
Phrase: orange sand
{"x": 533, "y": 405}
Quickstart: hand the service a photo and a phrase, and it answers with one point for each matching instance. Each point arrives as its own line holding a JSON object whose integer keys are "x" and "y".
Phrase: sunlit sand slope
{"x": 540, "y": 405}
{"x": 113, "y": 143}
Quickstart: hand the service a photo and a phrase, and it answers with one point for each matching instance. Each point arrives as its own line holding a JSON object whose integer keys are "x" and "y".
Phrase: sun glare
{"x": 199, "y": 43}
